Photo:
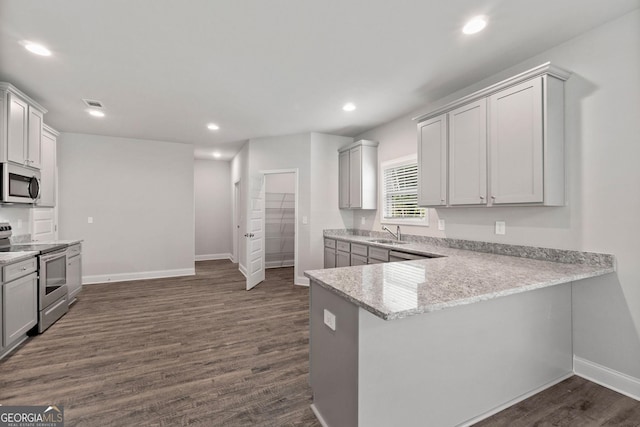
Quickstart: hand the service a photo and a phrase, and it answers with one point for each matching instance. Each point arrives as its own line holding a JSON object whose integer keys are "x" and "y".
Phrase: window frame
{"x": 394, "y": 163}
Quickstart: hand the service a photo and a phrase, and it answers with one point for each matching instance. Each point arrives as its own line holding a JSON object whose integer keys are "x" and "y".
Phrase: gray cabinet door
{"x": 329, "y": 258}
{"x": 516, "y": 129}
{"x": 20, "y": 307}
{"x": 343, "y": 259}
{"x": 468, "y": 154}
{"x": 358, "y": 259}
{"x": 355, "y": 177}
{"x": 432, "y": 161}
{"x": 344, "y": 180}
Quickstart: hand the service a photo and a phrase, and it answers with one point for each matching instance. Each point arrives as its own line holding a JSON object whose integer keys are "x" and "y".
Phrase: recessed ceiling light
{"x": 96, "y": 113}
{"x": 213, "y": 126}
{"x": 349, "y": 106}
{"x": 217, "y": 155}
{"x": 36, "y": 48}
{"x": 475, "y": 25}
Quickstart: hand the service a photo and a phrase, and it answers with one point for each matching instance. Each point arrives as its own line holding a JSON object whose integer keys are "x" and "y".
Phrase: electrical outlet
{"x": 90, "y": 220}
{"x": 501, "y": 227}
{"x": 363, "y": 220}
{"x": 330, "y": 319}
{"x": 19, "y": 224}
{"x": 441, "y": 224}
{"x": 305, "y": 220}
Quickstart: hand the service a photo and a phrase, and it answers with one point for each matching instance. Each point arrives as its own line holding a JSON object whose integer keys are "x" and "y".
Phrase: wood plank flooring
{"x": 202, "y": 351}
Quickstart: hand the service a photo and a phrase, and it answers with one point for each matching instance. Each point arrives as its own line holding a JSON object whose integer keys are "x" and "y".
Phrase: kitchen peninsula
{"x": 444, "y": 341}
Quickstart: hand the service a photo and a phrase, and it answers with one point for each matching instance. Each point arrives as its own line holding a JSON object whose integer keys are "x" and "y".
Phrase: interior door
{"x": 255, "y": 231}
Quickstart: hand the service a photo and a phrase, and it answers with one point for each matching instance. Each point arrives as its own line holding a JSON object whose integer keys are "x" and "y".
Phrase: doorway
{"x": 282, "y": 223}
{"x": 279, "y": 220}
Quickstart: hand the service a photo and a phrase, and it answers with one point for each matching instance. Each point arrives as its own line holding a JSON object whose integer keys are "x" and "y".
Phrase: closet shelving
{"x": 279, "y": 229}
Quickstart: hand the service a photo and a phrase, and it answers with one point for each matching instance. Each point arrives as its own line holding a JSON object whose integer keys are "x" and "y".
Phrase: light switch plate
{"x": 501, "y": 227}
{"x": 330, "y": 319}
{"x": 305, "y": 220}
{"x": 90, "y": 220}
{"x": 441, "y": 224}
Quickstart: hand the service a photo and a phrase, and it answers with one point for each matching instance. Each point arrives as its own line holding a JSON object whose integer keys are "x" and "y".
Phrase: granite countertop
{"x": 11, "y": 257}
{"x": 457, "y": 277}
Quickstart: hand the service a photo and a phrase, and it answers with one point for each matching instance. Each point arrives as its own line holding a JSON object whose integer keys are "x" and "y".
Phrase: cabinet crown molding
{"x": 49, "y": 129}
{"x": 544, "y": 69}
{"x": 8, "y": 87}
{"x": 358, "y": 144}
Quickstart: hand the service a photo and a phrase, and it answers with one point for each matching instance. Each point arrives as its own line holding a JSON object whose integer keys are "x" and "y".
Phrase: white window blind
{"x": 400, "y": 192}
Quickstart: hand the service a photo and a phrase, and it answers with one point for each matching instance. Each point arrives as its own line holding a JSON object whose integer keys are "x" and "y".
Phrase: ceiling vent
{"x": 92, "y": 103}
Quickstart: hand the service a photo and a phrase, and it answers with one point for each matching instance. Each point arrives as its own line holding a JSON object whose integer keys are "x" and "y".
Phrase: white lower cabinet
{"x": 19, "y": 307}
{"x": 329, "y": 258}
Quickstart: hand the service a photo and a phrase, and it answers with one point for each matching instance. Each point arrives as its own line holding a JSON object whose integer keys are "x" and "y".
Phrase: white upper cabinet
{"x": 48, "y": 168}
{"x": 21, "y": 126}
{"x": 468, "y": 154}
{"x": 17, "y": 131}
{"x": 358, "y": 166}
{"x": 504, "y": 145}
{"x": 432, "y": 161}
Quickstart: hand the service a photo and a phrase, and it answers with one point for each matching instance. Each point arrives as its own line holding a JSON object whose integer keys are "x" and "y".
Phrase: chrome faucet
{"x": 397, "y": 234}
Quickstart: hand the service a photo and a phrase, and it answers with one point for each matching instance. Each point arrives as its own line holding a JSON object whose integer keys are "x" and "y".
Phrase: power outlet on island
{"x": 330, "y": 319}
{"x": 501, "y": 227}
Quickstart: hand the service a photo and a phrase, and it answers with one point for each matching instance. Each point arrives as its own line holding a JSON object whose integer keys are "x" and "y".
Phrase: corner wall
{"x": 140, "y": 196}
{"x": 213, "y": 210}
{"x": 602, "y": 131}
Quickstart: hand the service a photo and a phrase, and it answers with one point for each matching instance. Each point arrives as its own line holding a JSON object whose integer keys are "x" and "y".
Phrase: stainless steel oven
{"x": 52, "y": 283}
{"x": 19, "y": 184}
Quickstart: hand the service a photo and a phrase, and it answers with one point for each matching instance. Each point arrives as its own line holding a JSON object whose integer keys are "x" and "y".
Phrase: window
{"x": 400, "y": 193}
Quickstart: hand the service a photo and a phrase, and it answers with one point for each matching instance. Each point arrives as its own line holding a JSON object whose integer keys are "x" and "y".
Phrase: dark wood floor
{"x": 202, "y": 351}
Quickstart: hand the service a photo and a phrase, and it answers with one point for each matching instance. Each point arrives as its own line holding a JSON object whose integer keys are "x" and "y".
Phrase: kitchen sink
{"x": 388, "y": 241}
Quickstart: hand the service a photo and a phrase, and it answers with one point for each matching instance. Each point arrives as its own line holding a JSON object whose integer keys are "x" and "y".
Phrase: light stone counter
{"x": 456, "y": 277}
{"x": 11, "y": 257}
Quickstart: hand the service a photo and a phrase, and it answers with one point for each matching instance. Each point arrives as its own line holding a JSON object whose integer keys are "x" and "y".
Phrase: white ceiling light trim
{"x": 36, "y": 48}
{"x": 213, "y": 126}
{"x": 349, "y": 106}
{"x": 96, "y": 113}
{"x": 475, "y": 25}
{"x": 217, "y": 154}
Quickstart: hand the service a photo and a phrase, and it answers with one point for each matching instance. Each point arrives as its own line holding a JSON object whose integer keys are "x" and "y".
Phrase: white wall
{"x": 316, "y": 158}
{"x": 19, "y": 218}
{"x": 324, "y": 188}
{"x": 602, "y": 131}
{"x": 239, "y": 179}
{"x": 140, "y": 195}
{"x": 213, "y": 209}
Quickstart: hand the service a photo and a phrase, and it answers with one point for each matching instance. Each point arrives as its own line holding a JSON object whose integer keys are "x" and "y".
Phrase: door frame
{"x": 295, "y": 173}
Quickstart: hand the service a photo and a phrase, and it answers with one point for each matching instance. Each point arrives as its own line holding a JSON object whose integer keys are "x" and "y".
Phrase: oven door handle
{"x": 53, "y": 255}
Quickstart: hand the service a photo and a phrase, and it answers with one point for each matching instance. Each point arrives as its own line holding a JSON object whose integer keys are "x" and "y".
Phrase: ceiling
{"x": 165, "y": 68}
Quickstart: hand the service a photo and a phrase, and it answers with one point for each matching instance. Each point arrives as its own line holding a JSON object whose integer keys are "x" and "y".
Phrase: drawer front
{"x": 359, "y": 249}
{"x": 74, "y": 250}
{"x": 379, "y": 254}
{"x": 13, "y": 271}
{"x": 344, "y": 246}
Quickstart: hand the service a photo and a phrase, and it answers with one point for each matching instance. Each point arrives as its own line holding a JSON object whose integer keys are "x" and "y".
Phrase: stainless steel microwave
{"x": 19, "y": 184}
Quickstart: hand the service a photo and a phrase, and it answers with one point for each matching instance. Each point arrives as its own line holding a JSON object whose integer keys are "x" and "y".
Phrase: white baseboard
{"x": 279, "y": 264}
{"x": 301, "y": 281}
{"x": 606, "y": 377}
{"x": 142, "y": 275}
{"x": 323, "y": 423}
{"x": 212, "y": 257}
{"x": 514, "y": 401}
